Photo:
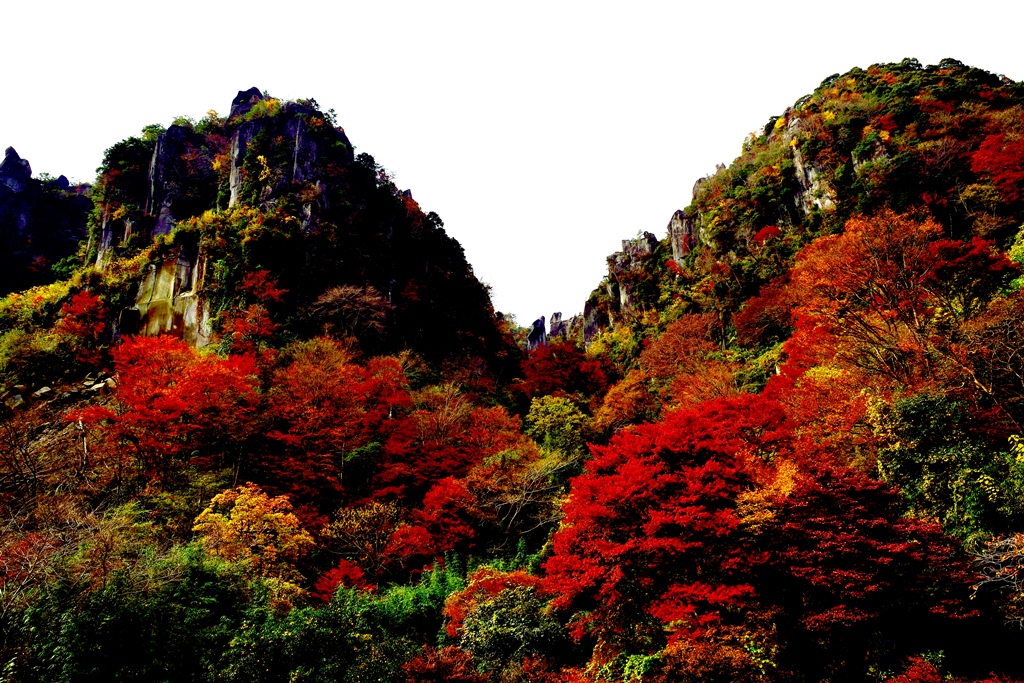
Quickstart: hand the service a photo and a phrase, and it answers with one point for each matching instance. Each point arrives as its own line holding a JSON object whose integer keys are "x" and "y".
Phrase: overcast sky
{"x": 543, "y": 133}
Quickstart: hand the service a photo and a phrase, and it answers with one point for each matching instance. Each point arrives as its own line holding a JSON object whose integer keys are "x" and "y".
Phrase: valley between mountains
{"x": 261, "y": 422}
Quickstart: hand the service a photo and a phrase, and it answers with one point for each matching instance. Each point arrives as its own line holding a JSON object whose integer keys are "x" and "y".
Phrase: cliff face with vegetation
{"x": 940, "y": 139}
{"x": 42, "y": 220}
{"x": 267, "y": 426}
{"x": 276, "y": 187}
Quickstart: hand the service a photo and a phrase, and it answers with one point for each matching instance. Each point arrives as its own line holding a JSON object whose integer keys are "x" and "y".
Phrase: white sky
{"x": 543, "y": 133}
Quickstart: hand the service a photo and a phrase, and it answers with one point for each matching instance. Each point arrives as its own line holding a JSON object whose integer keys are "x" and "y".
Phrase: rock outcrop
{"x": 570, "y": 328}
{"x": 112, "y": 233}
{"x": 622, "y": 265}
{"x": 243, "y": 101}
{"x": 615, "y": 301}
{"x": 682, "y": 235}
{"x": 291, "y": 126}
{"x": 558, "y": 327}
{"x": 815, "y": 192}
{"x": 289, "y": 201}
{"x": 15, "y": 172}
{"x": 179, "y": 182}
{"x": 171, "y": 301}
{"x": 182, "y": 182}
{"x": 595, "y": 319}
{"x": 40, "y": 223}
{"x": 538, "y": 335}
{"x": 684, "y": 229}
{"x": 239, "y": 146}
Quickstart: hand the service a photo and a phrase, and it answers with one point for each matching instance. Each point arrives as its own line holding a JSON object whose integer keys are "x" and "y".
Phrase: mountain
{"x": 942, "y": 140}
{"x": 182, "y": 219}
{"x": 276, "y": 187}
{"x": 266, "y": 426}
{"x": 41, "y": 222}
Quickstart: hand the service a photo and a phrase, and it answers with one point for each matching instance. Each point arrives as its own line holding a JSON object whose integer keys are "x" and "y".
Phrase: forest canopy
{"x": 265, "y": 424}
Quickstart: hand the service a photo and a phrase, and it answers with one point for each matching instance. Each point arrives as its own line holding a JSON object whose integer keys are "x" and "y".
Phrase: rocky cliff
{"x": 41, "y": 222}
{"x": 296, "y": 160}
{"x": 170, "y": 299}
{"x": 938, "y": 140}
{"x": 275, "y": 188}
{"x": 629, "y": 282}
{"x": 192, "y": 169}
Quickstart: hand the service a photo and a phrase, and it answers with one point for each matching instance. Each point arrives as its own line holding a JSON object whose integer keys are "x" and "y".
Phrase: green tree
{"x": 946, "y": 474}
{"x": 558, "y": 424}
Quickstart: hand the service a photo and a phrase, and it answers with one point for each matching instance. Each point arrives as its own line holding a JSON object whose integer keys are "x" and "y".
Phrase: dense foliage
{"x": 790, "y": 451}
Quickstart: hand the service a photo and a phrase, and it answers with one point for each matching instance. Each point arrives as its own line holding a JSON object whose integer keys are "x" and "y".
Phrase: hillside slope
{"x": 941, "y": 139}
{"x": 276, "y": 187}
{"x": 284, "y": 437}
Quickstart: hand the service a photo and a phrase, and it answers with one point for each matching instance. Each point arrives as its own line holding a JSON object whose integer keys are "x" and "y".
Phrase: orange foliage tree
{"x": 84, "y": 320}
{"x": 687, "y": 359}
{"x": 712, "y": 525}
{"x": 888, "y": 288}
{"x": 445, "y": 435}
{"x": 1001, "y": 156}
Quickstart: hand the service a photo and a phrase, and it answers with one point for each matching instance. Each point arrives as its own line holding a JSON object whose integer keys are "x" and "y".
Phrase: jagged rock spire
{"x": 244, "y": 100}
{"x": 15, "y": 172}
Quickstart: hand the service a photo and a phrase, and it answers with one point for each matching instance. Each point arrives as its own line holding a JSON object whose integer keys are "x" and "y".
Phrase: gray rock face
{"x": 633, "y": 251}
{"x": 639, "y": 248}
{"x": 594, "y": 320}
{"x": 243, "y": 101}
{"x": 244, "y": 134}
{"x": 181, "y": 183}
{"x": 15, "y": 172}
{"x": 619, "y": 300}
{"x": 164, "y": 170}
{"x": 630, "y": 259}
{"x": 40, "y": 224}
{"x": 566, "y": 328}
{"x": 239, "y": 146}
{"x": 558, "y": 327}
{"x": 538, "y": 335}
{"x": 291, "y": 124}
{"x": 696, "y": 186}
{"x": 682, "y": 235}
{"x": 170, "y": 300}
{"x": 113, "y": 231}
{"x": 815, "y": 192}
{"x": 305, "y": 151}
{"x": 685, "y": 234}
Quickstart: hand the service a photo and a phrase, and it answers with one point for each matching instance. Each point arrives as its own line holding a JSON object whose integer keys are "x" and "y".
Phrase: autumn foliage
{"x": 84, "y": 320}
{"x": 173, "y": 406}
{"x": 789, "y": 451}
{"x": 562, "y": 368}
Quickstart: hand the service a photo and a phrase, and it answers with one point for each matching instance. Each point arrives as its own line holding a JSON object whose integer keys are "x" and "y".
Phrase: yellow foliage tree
{"x": 363, "y": 534}
{"x": 246, "y": 526}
